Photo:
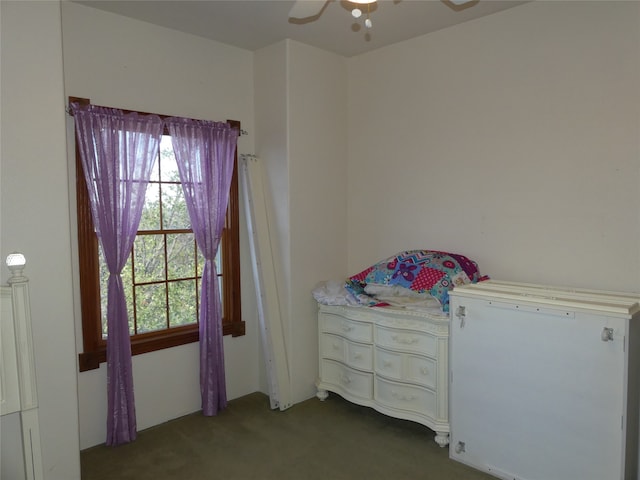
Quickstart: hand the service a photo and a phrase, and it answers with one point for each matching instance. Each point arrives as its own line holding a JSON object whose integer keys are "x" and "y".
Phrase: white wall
{"x": 35, "y": 216}
{"x": 317, "y": 97}
{"x": 302, "y": 142}
{"x": 119, "y": 62}
{"x": 513, "y": 139}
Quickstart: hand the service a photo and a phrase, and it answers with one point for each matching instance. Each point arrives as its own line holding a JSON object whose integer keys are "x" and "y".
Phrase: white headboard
{"x": 18, "y": 394}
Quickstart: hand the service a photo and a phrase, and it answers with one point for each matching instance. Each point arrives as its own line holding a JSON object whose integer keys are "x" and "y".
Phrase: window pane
{"x": 151, "y": 307}
{"x": 181, "y": 256}
{"x": 148, "y": 253}
{"x": 168, "y": 165}
{"x": 182, "y": 303}
{"x": 150, "y": 219}
{"x": 219, "y": 259}
{"x": 174, "y": 207}
{"x": 155, "y": 172}
{"x": 128, "y": 293}
{"x": 104, "y": 285}
{"x": 201, "y": 263}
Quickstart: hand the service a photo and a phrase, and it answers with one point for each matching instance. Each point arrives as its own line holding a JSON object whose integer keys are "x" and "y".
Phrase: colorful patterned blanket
{"x": 428, "y": 271}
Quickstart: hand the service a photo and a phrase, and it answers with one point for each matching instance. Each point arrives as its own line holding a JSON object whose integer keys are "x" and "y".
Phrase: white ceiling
{"x": 253, "y": 24}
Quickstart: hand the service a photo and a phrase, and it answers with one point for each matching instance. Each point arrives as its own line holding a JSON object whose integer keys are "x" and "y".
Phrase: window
{"x": 162, "y": 275}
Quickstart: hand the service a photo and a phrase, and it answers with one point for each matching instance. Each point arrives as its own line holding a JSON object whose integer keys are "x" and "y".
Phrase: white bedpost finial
{"x": 16, "y": 262}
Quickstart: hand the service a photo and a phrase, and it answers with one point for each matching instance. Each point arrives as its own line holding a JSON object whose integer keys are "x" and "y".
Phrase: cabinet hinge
{"x": 461, "y": 313}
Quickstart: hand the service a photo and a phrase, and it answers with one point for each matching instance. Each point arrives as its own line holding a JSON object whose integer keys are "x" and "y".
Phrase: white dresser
{"x": 393, "y": 360}
{"x": 545, "y": 382}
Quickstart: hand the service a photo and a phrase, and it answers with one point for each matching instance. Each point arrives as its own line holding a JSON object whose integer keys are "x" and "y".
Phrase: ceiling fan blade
{"x": 306, "y": 8}
{"x": 460, "y": 2}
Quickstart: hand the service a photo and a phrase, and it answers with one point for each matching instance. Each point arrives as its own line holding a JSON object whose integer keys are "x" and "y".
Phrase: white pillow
{"x": 399, "y": 296}
{"x": 379, "y": 289}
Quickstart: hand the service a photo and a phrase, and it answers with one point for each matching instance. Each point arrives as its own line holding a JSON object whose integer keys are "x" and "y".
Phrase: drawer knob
{"x": 336, "y": 346}
{"x": 347, "y": 328}
{"x": 345, "y": 379}
{"x": 357, "y": 356}
{"x": 387, "y": 364}
{"x": 424, "y": 371}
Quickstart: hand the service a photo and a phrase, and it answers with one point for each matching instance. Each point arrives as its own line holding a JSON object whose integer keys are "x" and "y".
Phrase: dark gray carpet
{"x": 330, "y": 440}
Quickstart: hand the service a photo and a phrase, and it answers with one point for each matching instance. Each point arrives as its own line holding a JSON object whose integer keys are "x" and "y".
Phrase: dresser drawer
{"x": 420, "y": 370}
{"x": 406, "y": 340}
{"x": 359, "y": 384}
{"x": 351, "y": 329}
{"x": 406, "y": 367}
{"x": 389, "y": 363}
{"x": 356, "y": 355}
{"x": 405, "y": 397}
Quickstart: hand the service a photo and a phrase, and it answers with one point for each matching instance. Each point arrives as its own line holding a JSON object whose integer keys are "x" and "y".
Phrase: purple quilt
{"x": 428, "y": 271}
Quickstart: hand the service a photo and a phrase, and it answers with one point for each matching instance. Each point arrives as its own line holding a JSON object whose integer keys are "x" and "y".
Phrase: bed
{"x": 21, "y": 454}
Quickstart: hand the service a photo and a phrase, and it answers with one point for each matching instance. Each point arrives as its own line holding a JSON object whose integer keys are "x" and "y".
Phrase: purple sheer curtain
{"x": 118, "y": 152}
{"x": 205, "y": 152}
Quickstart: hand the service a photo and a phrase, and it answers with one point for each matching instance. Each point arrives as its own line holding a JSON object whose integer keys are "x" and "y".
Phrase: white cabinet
{"x": 544, "y": 382}
{"x": 392, "y": 360}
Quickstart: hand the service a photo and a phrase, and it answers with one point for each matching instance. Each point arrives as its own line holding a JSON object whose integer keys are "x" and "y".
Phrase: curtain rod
{"x": 86, "y": 101}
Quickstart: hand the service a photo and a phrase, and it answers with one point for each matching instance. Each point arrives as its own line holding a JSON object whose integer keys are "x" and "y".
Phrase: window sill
{"x": 154, "y": 341}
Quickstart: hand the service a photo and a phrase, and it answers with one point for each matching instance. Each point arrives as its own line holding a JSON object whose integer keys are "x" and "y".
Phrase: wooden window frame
{"x": 94, "y": 346}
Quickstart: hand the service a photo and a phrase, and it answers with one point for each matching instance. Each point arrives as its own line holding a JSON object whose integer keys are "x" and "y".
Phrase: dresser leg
{"x": 442, "y": 438}
{"x": 322, "y": 394}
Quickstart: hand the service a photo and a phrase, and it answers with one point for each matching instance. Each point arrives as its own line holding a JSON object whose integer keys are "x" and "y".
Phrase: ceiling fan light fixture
{"x": 357, "y": 11}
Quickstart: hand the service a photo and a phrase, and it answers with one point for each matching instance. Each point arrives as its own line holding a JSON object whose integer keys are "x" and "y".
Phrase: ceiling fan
{"x": 304, "y": 11}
